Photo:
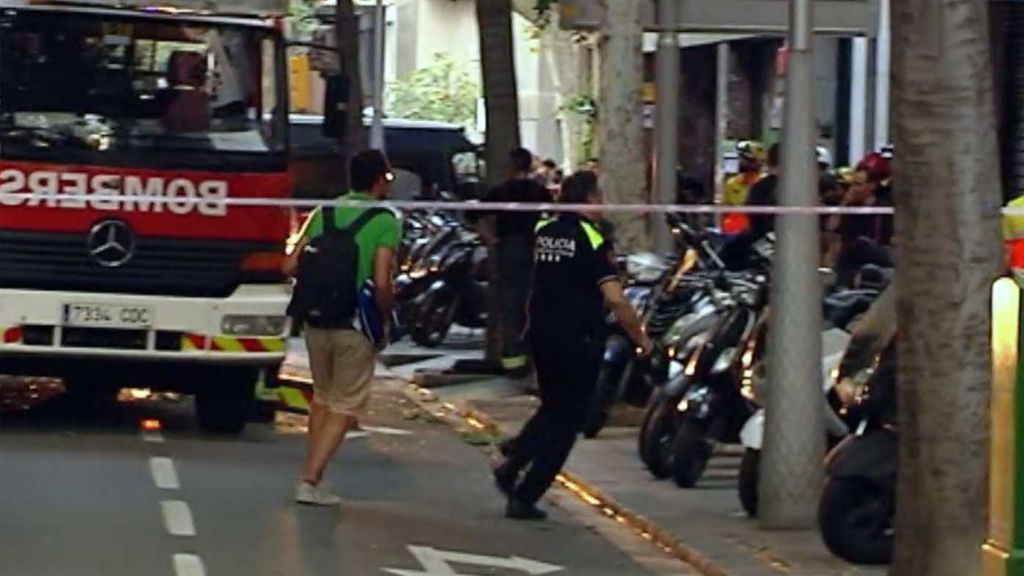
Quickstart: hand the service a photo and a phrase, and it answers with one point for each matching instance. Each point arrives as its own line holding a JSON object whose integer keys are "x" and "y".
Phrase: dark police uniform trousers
{"x": 566, "y": 339}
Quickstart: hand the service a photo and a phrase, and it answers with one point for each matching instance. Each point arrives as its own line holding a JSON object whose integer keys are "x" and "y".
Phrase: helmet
{"x": 844, "y": 175}
{"x": 823, "y": 155}
{"x": 751, "y": 150}
{"x": 876, "y": 166}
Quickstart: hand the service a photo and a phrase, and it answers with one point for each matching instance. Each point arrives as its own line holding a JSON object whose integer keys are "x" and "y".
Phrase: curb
{"x": 662, "y": 539}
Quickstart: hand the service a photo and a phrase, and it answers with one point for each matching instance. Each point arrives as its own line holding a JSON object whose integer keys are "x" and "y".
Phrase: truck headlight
{"x": 249, "y": 325}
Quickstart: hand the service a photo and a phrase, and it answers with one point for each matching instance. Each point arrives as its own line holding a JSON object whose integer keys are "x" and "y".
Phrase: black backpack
{"x": 326, "y": 295}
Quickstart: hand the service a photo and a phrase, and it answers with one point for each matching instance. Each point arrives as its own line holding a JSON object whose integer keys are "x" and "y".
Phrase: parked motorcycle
{"x": 858, "y": 504}
{"x": 719, "y": 399}
{"x": 643, "y": 272}
{"x": 457, "y": 295}
{"x": 843, "y": 311}
{"x": 834, "y": 342}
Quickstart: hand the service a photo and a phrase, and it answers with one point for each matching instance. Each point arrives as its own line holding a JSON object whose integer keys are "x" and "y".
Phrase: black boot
{"x": 505, "y": 478}
{"x": 519, "y": 510}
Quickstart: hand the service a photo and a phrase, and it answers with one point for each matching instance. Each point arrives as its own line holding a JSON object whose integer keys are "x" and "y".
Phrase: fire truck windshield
{"x": 104, "y": 84}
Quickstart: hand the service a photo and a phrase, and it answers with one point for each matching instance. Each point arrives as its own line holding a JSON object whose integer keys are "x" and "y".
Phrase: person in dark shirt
{"x": 574, "y": 279}
{"x": 870, "y": 188}
{"x": 510, "y": 236}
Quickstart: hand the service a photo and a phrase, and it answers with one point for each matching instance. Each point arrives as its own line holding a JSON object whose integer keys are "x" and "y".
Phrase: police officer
{"x": 574, "y": 279}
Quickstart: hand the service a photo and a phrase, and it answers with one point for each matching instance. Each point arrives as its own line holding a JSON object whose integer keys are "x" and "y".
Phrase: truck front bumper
{"x": 181, "y": 330}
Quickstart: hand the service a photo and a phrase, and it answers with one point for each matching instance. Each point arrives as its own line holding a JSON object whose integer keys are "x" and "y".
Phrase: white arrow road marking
{"x": 188, "y": 565}
{"x": 164, "y": 475}
{"x": 386, "y": 430}
{"x": 438, "y": 563}
{"x": 177, "y": 518}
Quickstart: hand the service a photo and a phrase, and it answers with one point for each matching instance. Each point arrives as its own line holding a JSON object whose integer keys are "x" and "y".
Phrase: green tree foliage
{"x": 302, "y": 16}
{"x": 443, "y": 91}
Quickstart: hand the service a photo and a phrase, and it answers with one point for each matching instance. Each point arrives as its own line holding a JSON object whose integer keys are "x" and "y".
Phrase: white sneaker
{"x": 306, "y": 493}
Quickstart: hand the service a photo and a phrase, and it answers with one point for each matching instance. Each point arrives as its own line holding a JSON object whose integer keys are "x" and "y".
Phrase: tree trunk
{"x": 346, "y": 26}
{"x": 501, "y": 98}
{"x": 620, "y": 112}
{"x": 947, "y": 194}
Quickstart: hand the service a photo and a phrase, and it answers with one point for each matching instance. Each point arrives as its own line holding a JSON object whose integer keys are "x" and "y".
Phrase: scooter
{"x": 643, "y": 272}
{"x": 834, "y": 342}
{"x": 720, "y": 399}
{"x": 457, "y": 296}
{"x": 858, "y": 504}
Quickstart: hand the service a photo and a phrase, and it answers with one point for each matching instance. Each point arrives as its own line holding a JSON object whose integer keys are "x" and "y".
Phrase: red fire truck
{"x": 125, "y": 130}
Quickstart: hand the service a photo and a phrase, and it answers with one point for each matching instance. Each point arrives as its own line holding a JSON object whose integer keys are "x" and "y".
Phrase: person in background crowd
{"x": 737, "y": 188}
{"x": 557, "y": 177}
{"x": 510, "y": 235}
{"x": 690, "y": 192}
{"x": 871, "y": 187}
{"x": 593, "y": 165}
{"x": 762, "y": 193}
{"x": 575, "y": 279}
{"x": 1013, "y": 234}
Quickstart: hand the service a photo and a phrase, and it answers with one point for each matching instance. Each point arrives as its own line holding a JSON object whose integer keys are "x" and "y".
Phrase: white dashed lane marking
{"x": 188, "y": 565}
{"x": 155, "y": 437}
{"x": 164, "y": 475}
{"x": 177, "y": 518}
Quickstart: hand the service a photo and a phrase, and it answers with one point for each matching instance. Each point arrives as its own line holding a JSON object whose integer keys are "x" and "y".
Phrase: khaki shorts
{"x": 342, "y": 362}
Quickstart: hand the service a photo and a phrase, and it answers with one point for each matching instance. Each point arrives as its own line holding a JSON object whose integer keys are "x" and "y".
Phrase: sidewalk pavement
{"x": 705, "y": 524}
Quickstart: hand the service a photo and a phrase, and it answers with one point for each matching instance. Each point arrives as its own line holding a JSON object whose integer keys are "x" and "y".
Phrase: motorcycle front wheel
{"x": 434, "y": 320}
{"x": 691, "y": 451}
{"x": 605, "y": 395}
{"x": 855, "y": 521}
{"x": 750, "y": 471}
{"x": 656, "y": 435}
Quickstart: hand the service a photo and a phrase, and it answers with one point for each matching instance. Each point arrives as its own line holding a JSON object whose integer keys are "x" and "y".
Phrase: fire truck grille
{"x": 158, "y": 266}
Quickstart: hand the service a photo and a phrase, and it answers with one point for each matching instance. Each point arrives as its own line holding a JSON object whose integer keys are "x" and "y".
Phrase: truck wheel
{"x": 225, "y": 400}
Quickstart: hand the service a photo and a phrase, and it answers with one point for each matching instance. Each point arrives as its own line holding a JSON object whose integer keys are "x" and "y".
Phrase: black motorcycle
{"x": 457, "y": 295}
{"x": 857, "y": 508}
{"x": 720, "y": 397}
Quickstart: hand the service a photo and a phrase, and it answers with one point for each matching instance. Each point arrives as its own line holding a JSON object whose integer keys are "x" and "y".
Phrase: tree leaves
{"x": 443, "y": 91}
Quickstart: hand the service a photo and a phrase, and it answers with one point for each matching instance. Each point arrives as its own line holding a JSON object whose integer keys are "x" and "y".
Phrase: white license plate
{"x": 107, "y": 316}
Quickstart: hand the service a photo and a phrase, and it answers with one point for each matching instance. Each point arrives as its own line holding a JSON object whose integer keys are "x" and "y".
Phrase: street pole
{"x": 721, "y": 118}
{"x": 379, "y": 31}
{"x": 666, "y": 123}
{"x": 791, "y": 471}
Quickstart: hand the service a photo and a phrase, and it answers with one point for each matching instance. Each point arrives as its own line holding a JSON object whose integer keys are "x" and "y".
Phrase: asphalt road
{"x": 85, "y": 493}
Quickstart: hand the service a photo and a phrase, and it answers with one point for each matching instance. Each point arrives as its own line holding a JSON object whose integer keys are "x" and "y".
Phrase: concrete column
{"x": 859, "y": 100}
{"x": 883, "y": 57}
{"x": 791, "y": 471}
{"x": 379, "y": 36}
{"x": 666, "y": 123}
{"x": 721, "y": 118}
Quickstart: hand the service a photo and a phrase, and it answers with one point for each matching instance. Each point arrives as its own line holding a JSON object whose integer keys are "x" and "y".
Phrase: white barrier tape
{"x": 50, "y": 201}
{"x": 64, "y": 200}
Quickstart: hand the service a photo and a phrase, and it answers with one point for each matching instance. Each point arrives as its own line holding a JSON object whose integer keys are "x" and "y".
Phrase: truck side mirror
{"x": 336, "y": 98}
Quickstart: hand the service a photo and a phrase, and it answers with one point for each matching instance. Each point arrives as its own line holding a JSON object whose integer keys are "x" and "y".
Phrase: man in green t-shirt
{"x": 343, "y": 360}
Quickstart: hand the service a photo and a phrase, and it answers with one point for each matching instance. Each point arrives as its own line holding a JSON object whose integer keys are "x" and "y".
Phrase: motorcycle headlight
{"x": 725, "y": 360}
{"x": 678, "y": 328}
{"x": 747, "y": 390}
{"x": 674, "y": 370}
